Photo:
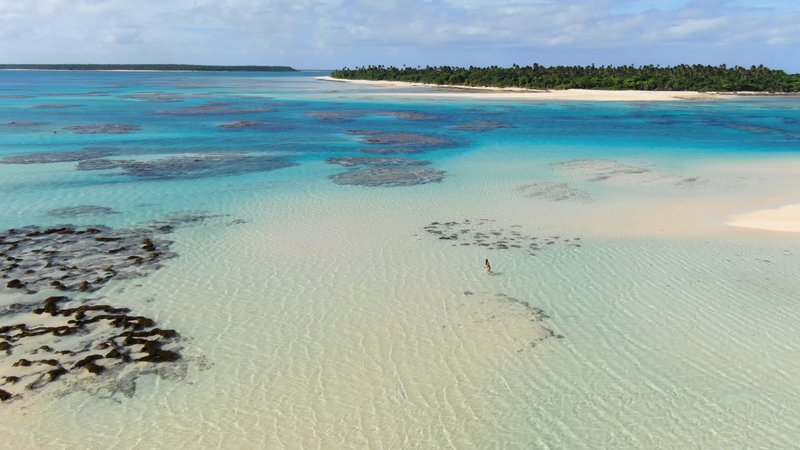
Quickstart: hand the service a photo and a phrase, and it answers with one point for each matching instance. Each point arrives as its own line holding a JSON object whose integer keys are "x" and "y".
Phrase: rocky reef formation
{"x": 191, "y": 165}
{"x": 389, "y": 171}
{"x": 483, "y": 125}
{"x": 258, "y": 125}
{"x": 239, "y": 124}
{"x": 80, "y": 345}
{"x": 105, "y": 128}
{"x": 196, "y": 165}
{"x": 57, "y": 157}
{"x": 162, "y": 97}
{"x": 25, "y": 123}
{"x": 351, "y": 161}
{"x": 485, "y": 233}
{"x": 398, "y": 138}
{"x": 219, "y": 107}
{"x": 82, "y": 210}
{"x": 556, "y": 192}
{"x": 352, "y": 114}
{"x": 397, "y": 142}
{"x": 83, "y": 259}
{"x": 389, "y": 176}
{"x": 57, "y": 106}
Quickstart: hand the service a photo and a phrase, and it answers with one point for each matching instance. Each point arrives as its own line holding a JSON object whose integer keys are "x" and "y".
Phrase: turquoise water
{"x": 673, "y": 131}
{"x": 323, "y": 315}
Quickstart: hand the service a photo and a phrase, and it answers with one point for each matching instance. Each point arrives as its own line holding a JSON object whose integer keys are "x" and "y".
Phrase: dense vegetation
{"x": 167, "y": 67}
{"x": 648, "y": 78}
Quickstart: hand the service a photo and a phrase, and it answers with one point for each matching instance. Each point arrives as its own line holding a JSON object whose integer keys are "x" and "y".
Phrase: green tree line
{"x": 164, "y": 67}
{"x": 682, "y": 77}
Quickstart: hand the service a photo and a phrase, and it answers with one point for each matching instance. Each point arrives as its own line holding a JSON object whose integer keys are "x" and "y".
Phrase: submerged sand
{"x": 494, "y": 93}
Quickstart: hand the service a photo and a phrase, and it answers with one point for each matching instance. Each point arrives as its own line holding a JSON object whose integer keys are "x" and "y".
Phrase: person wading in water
{"x": 488, "y": 266}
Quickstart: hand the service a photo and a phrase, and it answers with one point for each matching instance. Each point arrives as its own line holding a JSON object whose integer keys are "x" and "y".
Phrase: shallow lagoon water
{"x": 320, "y": 315}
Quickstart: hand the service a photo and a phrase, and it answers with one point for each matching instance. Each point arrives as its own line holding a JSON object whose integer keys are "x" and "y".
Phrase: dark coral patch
{"x": 336, "y": 115}
{"x": 371, "y": 161}
{"x": 399, "y": 138}
{"x": 106, "y": 128}
{"x": 389, "y": 176}
{"x": 78, "y": 258}
{"x": 391, "y": 150}
{"x": 219, "y": 107}
{"x": 258, "y": 125}
{"x": 358, "y": 113}
{"x": 81, "y": 210}
{"x": 57, "y": 157}
{"x": 483, "y": 125}
{"x": 23, "y": 123}
{"x": 192, "y": 166}
{"x": 545, "y": 190}
{"x": 57, "y": 106}
{"x": 96, "y": 339}
{"x": 485, "y": 234}
{"x": 400, "y": 142}
{"x": 162, "y": 97}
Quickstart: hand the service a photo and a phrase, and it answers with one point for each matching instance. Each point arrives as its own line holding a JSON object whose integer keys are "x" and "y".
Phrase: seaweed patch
{"x": 522, "y": 325}
{"x": 486, "y": 234}
{"x": 68, "y": 258}
{"x": 86, "y": 346}
{"x": 83, "y": 344}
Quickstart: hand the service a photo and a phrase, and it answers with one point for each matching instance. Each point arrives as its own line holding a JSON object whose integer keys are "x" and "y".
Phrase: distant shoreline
{"x": 144, "y": 68}
{"x": 494, "y": 93}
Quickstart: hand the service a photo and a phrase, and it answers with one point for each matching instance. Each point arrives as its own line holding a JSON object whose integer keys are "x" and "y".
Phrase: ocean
{"x": 267, "y": 260}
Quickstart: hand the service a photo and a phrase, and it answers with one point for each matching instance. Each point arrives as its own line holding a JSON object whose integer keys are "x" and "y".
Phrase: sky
{"x": 331, "y": 34}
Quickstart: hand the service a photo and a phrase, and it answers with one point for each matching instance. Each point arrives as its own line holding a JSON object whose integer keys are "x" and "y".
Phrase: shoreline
{"x": 495, "y": 93}
{"x": 785, "y": 219}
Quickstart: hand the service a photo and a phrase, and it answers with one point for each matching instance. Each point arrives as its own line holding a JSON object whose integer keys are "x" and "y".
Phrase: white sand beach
{"x": 785, "y": 218}
{"x": 494, "y": 93}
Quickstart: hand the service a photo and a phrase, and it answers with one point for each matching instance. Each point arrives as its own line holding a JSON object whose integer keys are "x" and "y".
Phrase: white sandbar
{"x": 785, "y": 218}
{"x": 495, "y": 93}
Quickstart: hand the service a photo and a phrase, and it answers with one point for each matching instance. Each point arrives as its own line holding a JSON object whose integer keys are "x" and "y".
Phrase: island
{"x": 680, "y": 78}
{"x": 148, "y": 67}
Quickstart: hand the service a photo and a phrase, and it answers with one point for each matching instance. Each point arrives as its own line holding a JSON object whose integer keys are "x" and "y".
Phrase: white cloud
{"x": 334, "y": 33}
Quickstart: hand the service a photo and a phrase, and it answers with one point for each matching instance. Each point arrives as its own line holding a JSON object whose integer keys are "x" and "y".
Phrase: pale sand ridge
{"x": 494, "y": 93}
{"x": 785, "y": 218}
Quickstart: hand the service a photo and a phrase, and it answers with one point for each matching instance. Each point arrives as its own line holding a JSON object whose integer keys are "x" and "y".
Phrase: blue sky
{"x": 330, "y": 34}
